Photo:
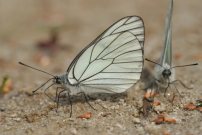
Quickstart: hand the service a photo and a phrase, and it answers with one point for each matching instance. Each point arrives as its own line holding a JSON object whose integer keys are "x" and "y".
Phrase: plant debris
{"x": 147, "y": 106}
{"x": 191, "y": 106}
{"x": 156, "y": 103}
{"x": 148, "y": 102}
{"x": 161, "y": 119}
{"x": 199, "y": 103}
{"x": 86, "y": 115}
{"x": 6, "y": 86}
{"x": 150, "y": 94}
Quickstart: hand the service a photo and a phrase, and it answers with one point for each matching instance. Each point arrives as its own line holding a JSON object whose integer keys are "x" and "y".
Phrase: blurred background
{"x": 48, "y": 34}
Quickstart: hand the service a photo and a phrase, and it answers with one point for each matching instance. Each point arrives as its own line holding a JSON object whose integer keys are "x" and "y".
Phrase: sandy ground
{"x": 24, "y": 23}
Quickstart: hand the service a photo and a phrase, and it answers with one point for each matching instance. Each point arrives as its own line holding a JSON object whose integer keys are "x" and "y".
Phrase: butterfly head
{"x": 60, "y": 79}
{"x": 57, "y": 80}
{"x": 166, "y": 73}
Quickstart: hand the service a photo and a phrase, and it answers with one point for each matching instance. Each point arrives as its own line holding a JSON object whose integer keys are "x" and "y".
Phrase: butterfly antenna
{"x": 35, "y": 68}
{"x": 194, "y": 64}
{"x": 42, "y": 85}
{"x": 153, "y": 62}
{"x": 47, "y": 94}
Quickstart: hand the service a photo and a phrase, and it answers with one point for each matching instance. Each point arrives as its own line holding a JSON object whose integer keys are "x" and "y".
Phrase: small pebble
{"x": 73, "y": 131}
{"x": 120, "y": 126}
{"x": 104, "y": 114}
{"x": 100, "y": 114}
{"x": 136, "y": 120}
{"x": 17, "y": 119}
{"x": 13, "y": 115}
{"x": 2, "y": 110}
{"x": 115, "y": 107}
{"x": 121, "y": 100}
{"x": 160, "y": 108}
{"x": 98, "y": 100}
{"x": 71, "y": 119}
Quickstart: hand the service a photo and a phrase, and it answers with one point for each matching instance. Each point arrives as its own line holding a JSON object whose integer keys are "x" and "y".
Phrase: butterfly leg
{"x": 165, "y": 91}
{"x": 58, "y": 98}
{"x": 45, "y": 92}
{"x": 70, "y": 102}
{"x": 177, "y": 90}
{"x": 178, "y": 93}
{"x": 56, "y": 92}
{"x": 157, "y": 85}
{"x": 181, "y": 84}
{"x": 86, "y": 99}
{"x": 101, "y": 105}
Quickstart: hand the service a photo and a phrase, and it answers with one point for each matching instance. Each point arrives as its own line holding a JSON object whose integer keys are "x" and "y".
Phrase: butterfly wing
{"x": 167, "y": 52}
{"x": 166, "y": 57}
{"x": 113, "y": 62}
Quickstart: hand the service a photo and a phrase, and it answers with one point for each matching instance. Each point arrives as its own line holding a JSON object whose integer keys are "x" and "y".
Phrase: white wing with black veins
{"x": 113, "y": 62}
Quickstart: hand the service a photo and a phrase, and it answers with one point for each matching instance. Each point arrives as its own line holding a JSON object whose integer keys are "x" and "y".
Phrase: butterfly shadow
{"x": 63, "y": 98}
{"x": 147, "y": 78}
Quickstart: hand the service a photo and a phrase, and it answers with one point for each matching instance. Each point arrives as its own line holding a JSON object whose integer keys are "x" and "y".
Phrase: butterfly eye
{"x": 166, "y": 73}
{"x": 57, "y": 80}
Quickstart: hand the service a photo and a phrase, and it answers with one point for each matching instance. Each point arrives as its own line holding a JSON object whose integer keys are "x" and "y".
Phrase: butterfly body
{"x": 64, "y": 84}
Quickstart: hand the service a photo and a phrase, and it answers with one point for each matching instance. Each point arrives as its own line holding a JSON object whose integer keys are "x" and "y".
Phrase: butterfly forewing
{"x": 166, "y": 57}
{"x": 134, "y": 24}
{"x": 113, "y": 62}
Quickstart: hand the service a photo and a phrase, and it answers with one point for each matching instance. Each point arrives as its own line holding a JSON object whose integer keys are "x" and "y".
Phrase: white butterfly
{"x": 112, "y": 63}
{"x": 164, "y": 71}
